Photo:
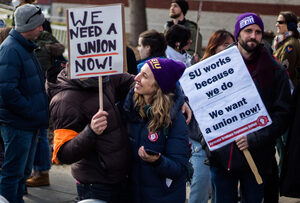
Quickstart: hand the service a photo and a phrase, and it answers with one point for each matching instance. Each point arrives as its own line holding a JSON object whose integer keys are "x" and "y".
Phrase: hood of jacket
{"x": 64, "y": 83}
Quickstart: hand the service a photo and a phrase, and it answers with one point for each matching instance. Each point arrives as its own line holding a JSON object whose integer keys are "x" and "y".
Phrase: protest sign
{"x": 224, "y": 98}
{"x": 96, "y": 41}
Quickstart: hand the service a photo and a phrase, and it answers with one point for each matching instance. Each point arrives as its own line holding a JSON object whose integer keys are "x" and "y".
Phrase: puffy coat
{"x": 150, "y": 181}
{"x": 95, "y": 159}
{"x": 23, "y": 101}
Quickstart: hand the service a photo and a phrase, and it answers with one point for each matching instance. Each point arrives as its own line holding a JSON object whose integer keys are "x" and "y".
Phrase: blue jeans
{"x": 201, "y": 184}
{"x": 42, "y": 159}
{"x": 226, "y": 187}
{"x": 20, "y": 147}
{"x": 109, "y": 193}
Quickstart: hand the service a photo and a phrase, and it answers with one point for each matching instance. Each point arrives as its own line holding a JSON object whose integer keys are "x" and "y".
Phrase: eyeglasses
{"x": 39, "y": 12}
{"x": 280, "y": 22}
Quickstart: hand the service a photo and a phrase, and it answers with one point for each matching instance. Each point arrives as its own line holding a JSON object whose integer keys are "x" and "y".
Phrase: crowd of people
{"x": 145, "y": 144}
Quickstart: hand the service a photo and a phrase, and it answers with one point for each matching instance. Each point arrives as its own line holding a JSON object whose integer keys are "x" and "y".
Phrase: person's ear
{"x": 148, "y": 48}
{"x": 177, "y": 44}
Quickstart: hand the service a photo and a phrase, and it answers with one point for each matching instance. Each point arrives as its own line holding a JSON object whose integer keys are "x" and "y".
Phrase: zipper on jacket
{"x": 230, "y": 157}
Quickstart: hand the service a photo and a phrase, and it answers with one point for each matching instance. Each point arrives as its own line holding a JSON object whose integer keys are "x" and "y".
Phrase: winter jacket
{"x": 272, "y": 84}
{"x": 288, "y": 53}
{"x": 290, "y": 176}
{"x": 150, "y": 180}
{"x": 23, "y": 101}
{"x": 192, "y": 26}
{"x": 182, "y": 57}
{"x": 104, "y": 158}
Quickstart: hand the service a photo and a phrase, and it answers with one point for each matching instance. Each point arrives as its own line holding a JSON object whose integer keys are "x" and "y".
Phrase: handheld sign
{"x": 96, "y": 41}
{"x": 225, "y": 101}
{"x": 224, "y": 98}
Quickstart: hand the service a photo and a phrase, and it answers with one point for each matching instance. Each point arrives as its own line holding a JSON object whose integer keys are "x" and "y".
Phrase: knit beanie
{"x": 183, "y": 4}
{"x": 166, "y": 72}
{"x": 28, "y": 17}
{"x": 245, "y": 20}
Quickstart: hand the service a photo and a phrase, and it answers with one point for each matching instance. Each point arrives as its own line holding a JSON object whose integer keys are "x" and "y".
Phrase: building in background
{"x": 216, "y": 14}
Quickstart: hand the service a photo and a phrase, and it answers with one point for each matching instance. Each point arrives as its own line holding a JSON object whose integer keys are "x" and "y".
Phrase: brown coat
{"x": 288, "y": 53}
{"x": 96, "y": 159}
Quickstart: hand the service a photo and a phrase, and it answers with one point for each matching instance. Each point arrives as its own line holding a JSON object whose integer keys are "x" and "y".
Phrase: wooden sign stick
{"x": 252, "y": 166}
{"x": 100, "y": 93}
{"x": 197, "y": 32}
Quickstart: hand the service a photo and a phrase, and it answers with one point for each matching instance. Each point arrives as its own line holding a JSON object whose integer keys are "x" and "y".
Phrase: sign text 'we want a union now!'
{"x": 224, "y": 98}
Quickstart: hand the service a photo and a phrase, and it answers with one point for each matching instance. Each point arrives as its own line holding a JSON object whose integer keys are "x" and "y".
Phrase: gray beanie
{"x": 28, "y": 17}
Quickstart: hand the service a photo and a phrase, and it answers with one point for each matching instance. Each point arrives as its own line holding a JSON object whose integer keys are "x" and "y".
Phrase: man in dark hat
{"x": 23, "y": 100}
{"x": 228, "y": 164}
{"x": 178, "y": 9}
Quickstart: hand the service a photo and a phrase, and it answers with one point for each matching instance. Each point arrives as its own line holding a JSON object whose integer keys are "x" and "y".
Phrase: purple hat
{"x": 166, "y": 72}
{"x": 245, "y": 20}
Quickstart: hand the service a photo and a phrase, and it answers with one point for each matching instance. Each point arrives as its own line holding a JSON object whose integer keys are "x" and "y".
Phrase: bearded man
{"x": 228, "y": 164}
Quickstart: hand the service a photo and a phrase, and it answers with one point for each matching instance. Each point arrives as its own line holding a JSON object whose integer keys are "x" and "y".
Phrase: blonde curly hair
{"x": 160, "y": 109}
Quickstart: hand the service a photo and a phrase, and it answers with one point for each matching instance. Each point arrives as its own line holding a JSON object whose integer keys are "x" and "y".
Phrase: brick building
{"x": 216, "y": 14}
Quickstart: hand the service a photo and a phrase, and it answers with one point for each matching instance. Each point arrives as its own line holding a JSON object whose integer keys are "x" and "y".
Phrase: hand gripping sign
{"x": 224, "y": 99}
{"x": 96, "y": 42}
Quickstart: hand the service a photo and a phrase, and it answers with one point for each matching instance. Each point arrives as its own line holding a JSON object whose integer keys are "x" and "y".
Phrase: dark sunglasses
{"x": 280, "y": 22}
{"x": 39, "y": 12}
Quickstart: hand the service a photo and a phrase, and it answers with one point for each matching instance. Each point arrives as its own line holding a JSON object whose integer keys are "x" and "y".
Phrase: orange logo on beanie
{"x": 155, "y": 64}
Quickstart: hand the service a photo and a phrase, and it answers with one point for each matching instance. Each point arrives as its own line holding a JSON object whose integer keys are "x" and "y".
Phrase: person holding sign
{"x": 158, "y": 133}
{"x": 228, "y": 163}
{"x": 94, "y": 141}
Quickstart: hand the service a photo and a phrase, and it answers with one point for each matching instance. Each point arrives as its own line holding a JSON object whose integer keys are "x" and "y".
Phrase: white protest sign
{"x": 96, "y": 41}
{"x": 224, "y": 98}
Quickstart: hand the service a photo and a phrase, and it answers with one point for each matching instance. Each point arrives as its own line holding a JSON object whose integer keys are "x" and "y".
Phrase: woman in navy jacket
{"x": 156, "y": 125}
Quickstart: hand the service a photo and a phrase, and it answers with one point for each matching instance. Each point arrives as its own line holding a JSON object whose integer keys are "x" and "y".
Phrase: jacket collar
{"x": 27, "y": 44}
{"x": 64, "y": 83}
{"x": 180, "y": 22}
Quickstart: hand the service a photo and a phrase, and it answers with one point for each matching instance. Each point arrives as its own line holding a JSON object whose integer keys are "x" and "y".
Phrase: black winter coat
{"x": 290, "y": 173}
